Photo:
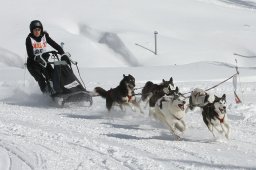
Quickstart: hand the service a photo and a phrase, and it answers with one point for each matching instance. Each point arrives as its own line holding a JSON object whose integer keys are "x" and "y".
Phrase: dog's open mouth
{"x": 222, "y": 110}
{"x": 181, "y": 106}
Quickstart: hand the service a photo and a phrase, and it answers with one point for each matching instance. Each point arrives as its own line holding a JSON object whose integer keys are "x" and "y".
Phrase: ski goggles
{"x": 37, "y": 29}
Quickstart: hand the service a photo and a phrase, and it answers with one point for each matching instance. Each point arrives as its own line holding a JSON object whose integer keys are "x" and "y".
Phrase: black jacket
{"x": 49, "y": 41}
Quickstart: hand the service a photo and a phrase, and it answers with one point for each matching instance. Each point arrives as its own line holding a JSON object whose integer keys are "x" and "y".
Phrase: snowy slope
{"x": 196, "y": 42}
{"x": 189, "y": 30}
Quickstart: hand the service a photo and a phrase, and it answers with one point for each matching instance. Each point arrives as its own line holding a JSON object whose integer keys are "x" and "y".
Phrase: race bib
{"x": 39, "y": 47}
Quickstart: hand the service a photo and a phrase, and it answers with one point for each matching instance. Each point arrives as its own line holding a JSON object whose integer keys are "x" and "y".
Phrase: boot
{"x": 42, "y": 86}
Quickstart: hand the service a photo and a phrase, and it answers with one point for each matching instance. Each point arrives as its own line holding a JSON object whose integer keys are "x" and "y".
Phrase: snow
{"x": 196, "y": 43}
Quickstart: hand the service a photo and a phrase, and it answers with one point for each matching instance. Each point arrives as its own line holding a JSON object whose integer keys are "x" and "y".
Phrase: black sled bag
{"x": 64, "y": 80}
{"x": 66, "y": 84}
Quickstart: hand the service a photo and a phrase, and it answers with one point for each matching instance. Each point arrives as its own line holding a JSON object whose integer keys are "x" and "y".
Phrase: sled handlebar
{"x": 53, "y": 55}
{"x": 42, "y": 58}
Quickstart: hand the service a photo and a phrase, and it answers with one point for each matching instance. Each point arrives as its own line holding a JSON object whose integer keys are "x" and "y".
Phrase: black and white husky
{"x": 215, "y": 116}
{"x": 170, "y": 110}
{"x": 152, "y": 92}
{"x": 123, "y": 94}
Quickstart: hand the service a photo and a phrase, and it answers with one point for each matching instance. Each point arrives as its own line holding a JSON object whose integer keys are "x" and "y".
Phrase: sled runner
{"x": 63, "y": 86}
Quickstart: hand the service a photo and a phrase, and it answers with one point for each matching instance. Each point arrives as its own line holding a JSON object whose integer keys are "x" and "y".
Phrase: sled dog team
{"x": 168, "y": 105}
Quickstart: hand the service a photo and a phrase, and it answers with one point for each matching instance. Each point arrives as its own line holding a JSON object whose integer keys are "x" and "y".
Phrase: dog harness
{"x": 217, "y": 115}
{"x": 129, "y": 98}
{"x": 221, "y": 120}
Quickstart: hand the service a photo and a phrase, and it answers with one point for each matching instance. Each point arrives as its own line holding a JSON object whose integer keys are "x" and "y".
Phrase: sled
{"x": 64, "y": 86}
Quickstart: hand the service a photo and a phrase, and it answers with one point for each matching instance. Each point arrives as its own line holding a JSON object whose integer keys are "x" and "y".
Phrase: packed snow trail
{"x": 74, "y": 137}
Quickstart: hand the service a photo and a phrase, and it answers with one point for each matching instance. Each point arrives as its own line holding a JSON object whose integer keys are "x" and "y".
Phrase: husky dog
{"x": 214, "y": 115}
{"x": 170, "y": 110}
{"x": 199, "y": 98}
{"x": 152, "y": 92}
{"x": 123, "y": 94}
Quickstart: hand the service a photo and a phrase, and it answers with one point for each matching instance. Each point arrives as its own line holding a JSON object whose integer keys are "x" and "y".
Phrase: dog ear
{"x": 216, "y": 98}
{"x": 177, "y": 89}
{"x": 171, "y": 80}
{"x": 223, "y": 97}
{"x": 124, "y": 75}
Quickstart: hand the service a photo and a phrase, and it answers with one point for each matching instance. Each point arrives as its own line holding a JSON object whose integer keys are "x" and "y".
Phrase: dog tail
{"x": 101, "y": 92}
{"x": 146, "y": 90}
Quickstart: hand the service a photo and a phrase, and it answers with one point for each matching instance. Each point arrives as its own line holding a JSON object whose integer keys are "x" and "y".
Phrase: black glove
{"x": 66, "y": 58}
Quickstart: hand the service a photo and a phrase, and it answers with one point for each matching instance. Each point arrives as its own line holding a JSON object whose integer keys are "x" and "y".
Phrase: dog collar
{"x": 221, "y": 120}
{"x": 129, "y": 98}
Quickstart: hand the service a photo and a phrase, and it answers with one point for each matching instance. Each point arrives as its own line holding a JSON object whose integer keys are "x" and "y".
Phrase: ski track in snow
{"x": 78, "y": 138}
